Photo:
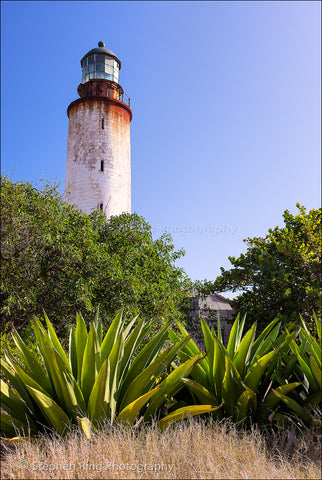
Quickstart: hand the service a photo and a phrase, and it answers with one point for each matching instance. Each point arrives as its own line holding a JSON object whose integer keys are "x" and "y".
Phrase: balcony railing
{"x": 124, "y": 98}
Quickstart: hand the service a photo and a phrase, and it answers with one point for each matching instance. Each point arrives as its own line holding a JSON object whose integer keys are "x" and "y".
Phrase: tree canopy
{"x": 57, "y": 259}
{"x": 280, "y": 274}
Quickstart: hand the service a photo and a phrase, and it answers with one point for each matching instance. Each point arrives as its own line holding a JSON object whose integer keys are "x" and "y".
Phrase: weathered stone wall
{"x": 209, "y": 308}
{"x": 89, "y": 142}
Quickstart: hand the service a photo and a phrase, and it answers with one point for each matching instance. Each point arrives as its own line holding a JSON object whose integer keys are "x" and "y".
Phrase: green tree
{"x": 280, "y": 274}
{"x": 58, "y": 259}
{"x": 145, "y": 274}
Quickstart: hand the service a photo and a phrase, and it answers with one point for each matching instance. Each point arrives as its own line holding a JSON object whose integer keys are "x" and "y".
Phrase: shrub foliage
{"x": 279, "y": 274}
{"x": 57, "y": 259}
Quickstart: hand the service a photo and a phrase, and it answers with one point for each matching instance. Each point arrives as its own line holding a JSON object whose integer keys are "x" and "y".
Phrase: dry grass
{"x": 187, "y": 450}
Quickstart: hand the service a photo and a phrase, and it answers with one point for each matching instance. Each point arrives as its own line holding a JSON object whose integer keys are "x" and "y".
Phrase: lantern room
{"x": 100, "y": 63}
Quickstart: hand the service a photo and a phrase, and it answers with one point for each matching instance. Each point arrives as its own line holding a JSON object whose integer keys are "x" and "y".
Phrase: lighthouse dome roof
{"x": 101, "y": 50}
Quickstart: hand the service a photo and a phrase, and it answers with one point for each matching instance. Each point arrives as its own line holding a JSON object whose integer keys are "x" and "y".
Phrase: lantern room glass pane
{"x": 100, "y": 66}
{"x": 109, "y": 70}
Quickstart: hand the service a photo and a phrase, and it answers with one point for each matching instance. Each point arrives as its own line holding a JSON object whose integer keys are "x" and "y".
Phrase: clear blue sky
{"x": 226, "y": 100}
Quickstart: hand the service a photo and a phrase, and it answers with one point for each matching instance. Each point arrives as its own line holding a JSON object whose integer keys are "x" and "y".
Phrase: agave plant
{"x": 242, "y": 377}
{"x": 99, "y": 379}
{"x": 303, "y": 363}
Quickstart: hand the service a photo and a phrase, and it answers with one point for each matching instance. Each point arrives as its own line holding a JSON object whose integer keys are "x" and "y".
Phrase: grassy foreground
{"x": 189, "y": 449}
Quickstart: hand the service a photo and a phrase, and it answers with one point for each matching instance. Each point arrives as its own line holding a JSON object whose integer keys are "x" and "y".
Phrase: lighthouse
{"x": 98, "y": 163}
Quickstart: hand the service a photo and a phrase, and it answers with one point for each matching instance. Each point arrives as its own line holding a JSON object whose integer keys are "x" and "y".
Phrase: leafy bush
{"x": 279, "y": 274}
{"x": 57, "y": 259}
{"x": 97, "y": 381}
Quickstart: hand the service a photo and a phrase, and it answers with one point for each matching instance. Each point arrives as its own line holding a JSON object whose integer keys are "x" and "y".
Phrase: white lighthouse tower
{"x": 98, "y": 164}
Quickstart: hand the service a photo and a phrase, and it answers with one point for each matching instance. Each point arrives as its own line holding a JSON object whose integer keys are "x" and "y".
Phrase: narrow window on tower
{"x": 102, "y": 123}
{"x": 102, "y": 166}
{"x": 101, "y": 206}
